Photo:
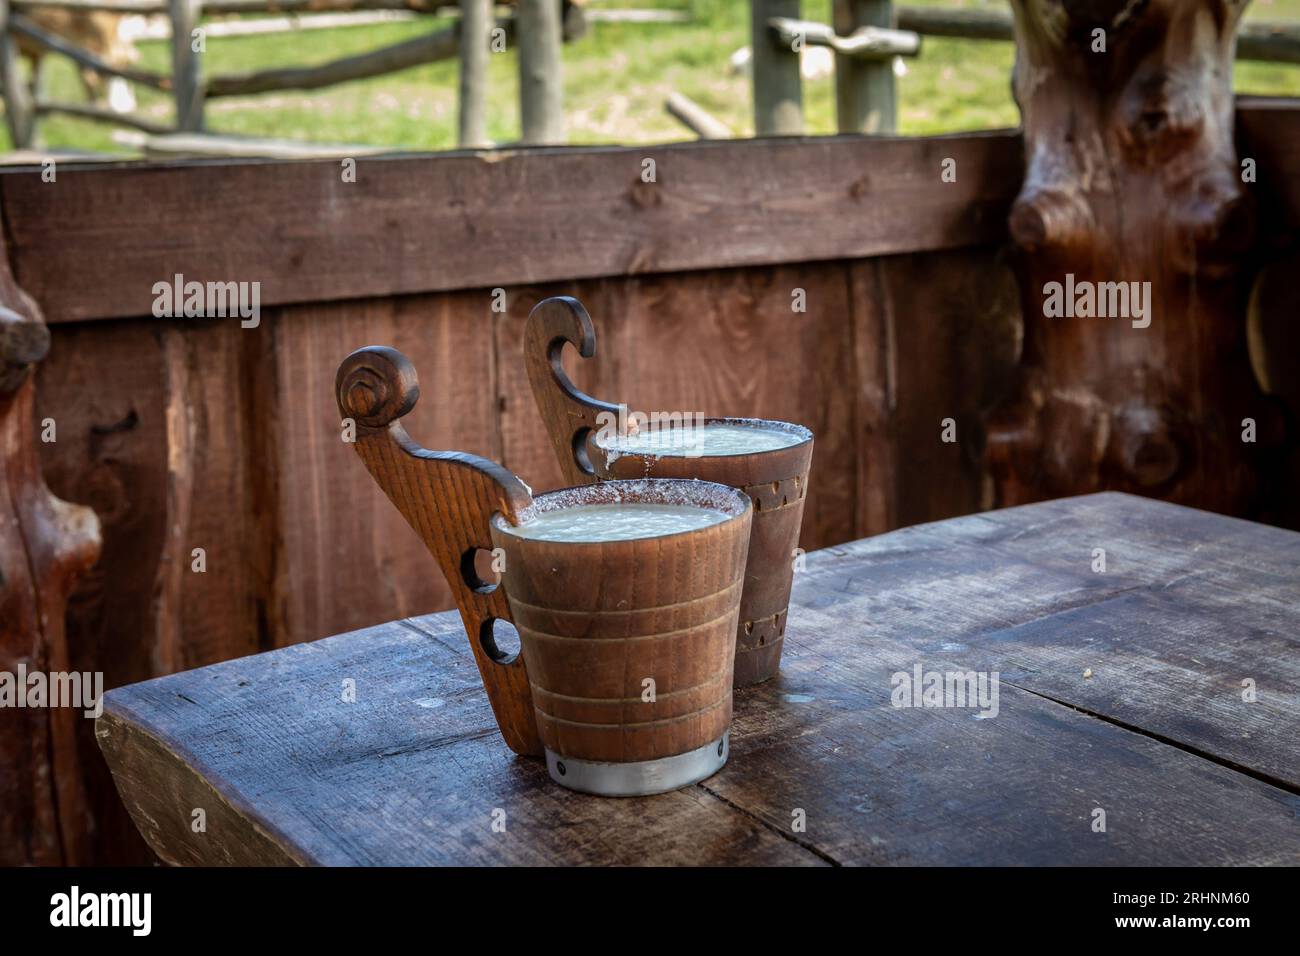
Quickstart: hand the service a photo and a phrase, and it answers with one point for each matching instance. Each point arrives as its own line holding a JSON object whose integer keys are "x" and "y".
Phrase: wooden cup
{"x": 624, "y": 678}
{"x": 776, "y": 480}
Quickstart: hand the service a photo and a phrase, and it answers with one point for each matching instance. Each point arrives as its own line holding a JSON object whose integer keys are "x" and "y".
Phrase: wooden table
{"x": 1159, "y": 737}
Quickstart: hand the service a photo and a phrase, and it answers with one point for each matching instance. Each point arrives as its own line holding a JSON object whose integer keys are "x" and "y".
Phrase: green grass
{"x": 616, "y": 78}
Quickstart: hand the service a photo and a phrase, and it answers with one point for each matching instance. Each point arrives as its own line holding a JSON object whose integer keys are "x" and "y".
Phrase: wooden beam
{"x": 719, "y": 204}
{"x": 777, "y": 83}
{"x": 716, "y": 204}
{"x": 475, "y": 35}
{"x": 541, "y": 86}
{"x": 186, "y": 66}
{"x": 865, "y": 98}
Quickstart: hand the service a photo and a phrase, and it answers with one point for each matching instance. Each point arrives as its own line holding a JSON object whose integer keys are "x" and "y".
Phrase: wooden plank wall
{"x": 188, "y": 433}
{"x": 192, "y": 434}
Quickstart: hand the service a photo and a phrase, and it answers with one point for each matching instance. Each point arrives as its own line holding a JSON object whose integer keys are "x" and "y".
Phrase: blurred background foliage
{"x": 616, "y": 78}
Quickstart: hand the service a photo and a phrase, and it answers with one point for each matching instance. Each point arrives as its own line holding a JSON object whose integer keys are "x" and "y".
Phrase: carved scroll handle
{"x": 449, "y": 499}
{"x": 569, "y": 414}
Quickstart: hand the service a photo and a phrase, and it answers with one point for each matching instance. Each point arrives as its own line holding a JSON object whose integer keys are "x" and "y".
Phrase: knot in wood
{"x": 645, "y": 195}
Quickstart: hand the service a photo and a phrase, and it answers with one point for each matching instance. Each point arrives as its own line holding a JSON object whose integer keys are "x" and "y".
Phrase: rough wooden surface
{"x": 46, "y": 544}
{"x": 1158, "y": 736}
{"x": 185, "y": 433}
{"x": 421, "y": 224}
{"x": 309, "y": 236}
{"x": 1133, "y": 183}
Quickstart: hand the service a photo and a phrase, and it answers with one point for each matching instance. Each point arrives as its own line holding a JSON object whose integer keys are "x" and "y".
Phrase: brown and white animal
{"x": 96, "y": 31}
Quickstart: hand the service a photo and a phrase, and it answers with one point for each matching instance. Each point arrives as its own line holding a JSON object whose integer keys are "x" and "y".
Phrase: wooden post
{"x": 20, "y": 112}
{"x": 541, "y": 86}
{"x": 1136, "y": 235}
{"x": 186, "y": 66}
{"x": 45, "y": 545}
{"x": 475, "y": 34}
{"x": 778, "y": 86}
{"x": 865, "y": 100}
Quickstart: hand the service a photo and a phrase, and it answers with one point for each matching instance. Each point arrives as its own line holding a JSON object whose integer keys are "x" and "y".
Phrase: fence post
{"x": 541, "y": 88}
{"x": 475, "y": 34}
{"x": 20, "y": 111}
{"x": 186, "y": 66}
{"x": 778, "y": 86}
{"x": 864, "y": 89}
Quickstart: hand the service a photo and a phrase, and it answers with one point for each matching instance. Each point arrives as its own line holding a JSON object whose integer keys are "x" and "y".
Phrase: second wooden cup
{"x": 776, "y": 479}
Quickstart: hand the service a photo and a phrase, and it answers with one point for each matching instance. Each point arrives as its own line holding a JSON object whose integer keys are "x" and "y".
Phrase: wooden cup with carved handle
{"x": 624, "y": 677}
{"x": 776, "y": 480}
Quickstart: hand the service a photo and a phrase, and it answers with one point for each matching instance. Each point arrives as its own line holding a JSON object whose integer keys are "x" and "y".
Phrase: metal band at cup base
{"x": 643, "y": 777}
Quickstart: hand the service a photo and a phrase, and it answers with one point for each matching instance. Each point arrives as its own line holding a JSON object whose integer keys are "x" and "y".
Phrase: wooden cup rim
{"x": 771, "y": 424}
{"x": 688, "y": 492}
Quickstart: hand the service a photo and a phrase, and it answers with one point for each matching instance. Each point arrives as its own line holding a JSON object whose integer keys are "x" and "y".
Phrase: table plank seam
{"x": 771, "y": 827}
{"x": 411, "y": 625}
{"x": 1168, "y": 741}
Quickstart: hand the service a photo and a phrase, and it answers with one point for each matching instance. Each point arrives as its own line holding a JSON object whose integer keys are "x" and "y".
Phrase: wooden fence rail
{"x": 439, "y": 45}
{"x": 545, "y": 25}
{"x": 1265, "y": 42}
{"x": 866, "y": 35}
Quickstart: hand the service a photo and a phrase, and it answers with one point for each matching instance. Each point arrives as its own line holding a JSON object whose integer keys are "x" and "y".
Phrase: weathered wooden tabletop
{"x": 1164, "y": 738}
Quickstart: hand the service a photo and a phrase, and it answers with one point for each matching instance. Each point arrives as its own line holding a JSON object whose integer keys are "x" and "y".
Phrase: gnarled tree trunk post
{"x": 45, "y": 543}
{"x": 1131, "y": 177}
